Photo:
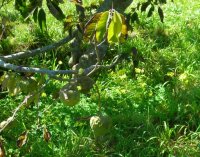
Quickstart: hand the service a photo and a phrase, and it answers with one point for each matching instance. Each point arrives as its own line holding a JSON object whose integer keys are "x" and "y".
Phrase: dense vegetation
{"x": 151, "y": 93}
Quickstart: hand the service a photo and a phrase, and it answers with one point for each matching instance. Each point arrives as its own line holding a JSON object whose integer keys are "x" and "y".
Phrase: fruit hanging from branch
{"x": 86, "y": 83}
{"x": 100, "y": 125}
{"x": 69, "y": 94}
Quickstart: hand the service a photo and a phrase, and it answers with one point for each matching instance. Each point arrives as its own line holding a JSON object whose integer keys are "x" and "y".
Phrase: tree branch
{"x": 31, "y": 53}
{"x": 88, "y": 71}
{"x": 5, "y": 123}
{"x": 34, "y": 70}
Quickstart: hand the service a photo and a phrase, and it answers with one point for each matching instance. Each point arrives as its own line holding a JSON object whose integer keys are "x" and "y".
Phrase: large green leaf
{"x": 145, "y": 5}
{"x": 110, "y": 25}
{"x": 35, "y": 15}
{"x": 161, "y": 14}
{"x": 55, "y": 10}
{"x": 101, "y": 26}
{"x": 42, "y": 20}
{"x": 115, "y": 28}
{"x": 151, "y": 10}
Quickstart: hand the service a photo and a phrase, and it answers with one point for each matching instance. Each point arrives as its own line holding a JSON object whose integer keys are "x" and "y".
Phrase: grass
{"x": 156, "y": 114}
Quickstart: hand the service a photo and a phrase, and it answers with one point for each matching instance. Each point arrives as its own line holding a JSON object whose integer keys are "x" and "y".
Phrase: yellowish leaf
{"x": 115, "y": 27}
{"x": 22, "y": 139}
{"x": 46, "y": 134}
{"x": 101, "y": 26}
{"x": 2, "y": 151}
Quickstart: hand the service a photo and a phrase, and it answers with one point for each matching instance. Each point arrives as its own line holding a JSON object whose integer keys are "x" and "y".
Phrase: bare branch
{"x": 10, "y": 119}
{"x": 31, "y": 53}
{"x": 88, "y": 71}
{"x": 34, "y": 70}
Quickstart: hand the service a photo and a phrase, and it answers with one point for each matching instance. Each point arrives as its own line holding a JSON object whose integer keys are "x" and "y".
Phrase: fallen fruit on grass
{"x": 100, "y": 125}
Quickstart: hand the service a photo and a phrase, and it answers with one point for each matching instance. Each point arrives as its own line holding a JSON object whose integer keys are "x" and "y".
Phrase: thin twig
{"x": 3, "y": 28}
{"x": 93, "y": 68}
{"x": 99, "y": 97}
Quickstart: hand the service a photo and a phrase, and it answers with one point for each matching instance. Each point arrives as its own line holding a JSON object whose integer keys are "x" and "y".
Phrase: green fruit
{"x": 72, "y": 85}
{"x": 73, "y": 59}
{"x": 87, "y": 60}
{"x": 24, "y": 83}
{"x": 69, "y": 97}
{"x": 86, "y": 83}
{"x": 5, "y": 81}
{"x": 100, "y": 125}
{"x": 10, "y": 83}
{"x": 76, "y": 67}
{"x": 28, "y": 85}
{"x": 71, "y": 62}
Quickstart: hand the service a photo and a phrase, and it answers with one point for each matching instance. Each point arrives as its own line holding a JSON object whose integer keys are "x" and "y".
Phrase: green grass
{"x": 156, "y": 114}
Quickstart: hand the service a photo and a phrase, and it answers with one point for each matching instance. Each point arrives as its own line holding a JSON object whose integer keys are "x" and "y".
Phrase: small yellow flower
{"x": 150, "y": 93}
{"x": 138, "y": 70}
{"x": 143, "y": 85}
{"x": 123, "y": 77}
{"x": 170, "y": 74}
{"x": 123, "y": 91}
{"x": 60, "y": 62}
{"x": 183, "y": 76}
{"x": 44, "y": 94}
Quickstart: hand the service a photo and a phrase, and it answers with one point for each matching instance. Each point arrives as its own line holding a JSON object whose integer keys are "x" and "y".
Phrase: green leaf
{"x": 68, "y": 23}
{"x": 115, "y": 27}
{"x": 101, "y": 26}
{"x": 27, "y": 8}
{"x": 150, "y": 11}
{"x": 134, "y": 17}
{"x": 58, "y": 1}
{"x": 35, "y": 15}
{"x": 55, "y": 10}
{"x": 162, "y": 1}
{"x": 31, "y": 7}
{"x": 160, "y": 12}
{"x": 144, "y": 6}
{"x": 42, "y": 20}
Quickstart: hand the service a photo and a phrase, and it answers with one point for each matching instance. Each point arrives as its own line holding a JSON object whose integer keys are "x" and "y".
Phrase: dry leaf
{"x": 2, "y": 151}
{"x": 46, "y": 134}
{"x": 22, "y": 139}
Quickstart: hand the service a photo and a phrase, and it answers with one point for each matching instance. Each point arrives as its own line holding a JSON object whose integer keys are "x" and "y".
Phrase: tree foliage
{"x": 105, "y": 29}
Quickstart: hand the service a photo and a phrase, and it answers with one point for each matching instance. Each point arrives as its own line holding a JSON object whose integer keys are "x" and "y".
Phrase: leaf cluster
{"x": 107, "y": 26}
